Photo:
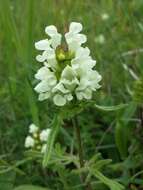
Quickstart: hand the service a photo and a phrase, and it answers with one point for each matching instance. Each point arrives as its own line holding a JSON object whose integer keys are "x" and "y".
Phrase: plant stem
{"x": 80, "y": 151}
{"x": 80, "y": 148}
{"x": 141, "y": 116}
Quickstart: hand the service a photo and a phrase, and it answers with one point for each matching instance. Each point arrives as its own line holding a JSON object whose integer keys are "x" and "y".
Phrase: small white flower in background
{"x": 33, "y": 128}
{"x": 105, "y": 16}
{"x": 44, "y": 134}
{"x": 36, "y": 140}
{"x": 100, "y": 39}
{"x": 29, "y": 142}
{"x": 68, "y": 72}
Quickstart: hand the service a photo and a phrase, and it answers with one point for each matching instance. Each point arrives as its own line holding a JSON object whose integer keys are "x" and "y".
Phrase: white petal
{"x": 69, "y": 37}
{"x": 42, "y": 45}
{"x": 40, "y": 58}
{"x": 75, "y": 27}
{"x": 79, "y": 95}
{"x": 87, "y": 94}
{"x": 59, "y": 100}
{"x": 83, "y": 52}
{"x": 60, "y": 87}
{"x": 69, "y": 97}
{"x": 42, "y": 73}
{"x": 51, "y": 30}
{"x": 43, "y": 86}
{"x": 74, "y": 41}
{"x": 56, "y": 40}
{"x": 55, "y": 36}
{"x": 44, "y": 96}
{"x": 94, "y": 76}
{"x": 50, "y": 54}
{"x": 52, "y": 81}
{"x": 81, "y": 38}
{"x": 73, "y": 46}
{"x": 83, "y": 84}
{"x": 68, "y": 73}
{"x": 47, "y": 54}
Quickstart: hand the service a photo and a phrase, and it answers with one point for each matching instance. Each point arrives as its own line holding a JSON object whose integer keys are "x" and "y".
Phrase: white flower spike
{"x": 68, "y": 72}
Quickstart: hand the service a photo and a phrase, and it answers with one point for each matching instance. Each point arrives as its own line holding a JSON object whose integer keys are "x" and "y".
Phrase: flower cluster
{"x": 37, "y": 139}
{"x": 68, "y": 69}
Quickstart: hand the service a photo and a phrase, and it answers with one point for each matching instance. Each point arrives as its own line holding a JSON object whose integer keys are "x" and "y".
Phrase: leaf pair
{"x": 94, "y": 166}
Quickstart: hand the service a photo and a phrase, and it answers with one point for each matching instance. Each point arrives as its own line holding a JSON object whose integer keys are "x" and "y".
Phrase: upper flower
{"x": 73, "y": 38}
{"x": 68, "y": 71}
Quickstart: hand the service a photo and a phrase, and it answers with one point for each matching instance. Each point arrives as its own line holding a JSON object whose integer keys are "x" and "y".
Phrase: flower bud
{"x": 61, "y": 55}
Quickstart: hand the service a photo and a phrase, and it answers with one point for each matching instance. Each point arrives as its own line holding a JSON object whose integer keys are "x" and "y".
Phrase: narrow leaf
{"x": 51, "y": 139}
{"x": 110, "y": 108}
{"x": 101, "y": 163}
{"x": 112, "y": 184}
{"x": 29, "y": 187}
{"x": 121, "y": 139}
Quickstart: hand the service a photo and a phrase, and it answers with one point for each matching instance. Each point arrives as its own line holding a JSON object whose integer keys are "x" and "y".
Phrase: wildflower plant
{"x": 68, "y": 79}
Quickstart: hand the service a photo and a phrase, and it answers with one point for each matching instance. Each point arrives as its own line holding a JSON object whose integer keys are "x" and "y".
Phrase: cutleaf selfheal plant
{"x": 67, "y": 78}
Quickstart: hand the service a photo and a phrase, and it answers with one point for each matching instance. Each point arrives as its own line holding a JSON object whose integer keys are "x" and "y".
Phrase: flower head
{"x": 68, "y": 71}
{"x": 36, "y": 139}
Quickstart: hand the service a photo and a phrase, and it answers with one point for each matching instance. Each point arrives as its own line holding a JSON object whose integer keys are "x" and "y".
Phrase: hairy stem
{"x": 80, "y": 151}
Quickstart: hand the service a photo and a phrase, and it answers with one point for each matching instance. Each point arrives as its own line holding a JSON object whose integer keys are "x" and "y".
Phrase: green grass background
{"x": 21, "y": 24}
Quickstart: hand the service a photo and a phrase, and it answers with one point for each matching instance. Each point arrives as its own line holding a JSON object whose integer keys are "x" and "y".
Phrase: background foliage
{"x": 118, "y": 135}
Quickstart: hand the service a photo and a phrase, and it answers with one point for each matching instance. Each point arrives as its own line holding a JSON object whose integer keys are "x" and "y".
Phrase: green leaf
{"x": 101, "y": 163}
{"x": 110, "y": 108}
{"x": 112, "y": 184}
{"x": 123, "y": 128}
{"x": 121, "y": 139}
{"x": 29, "y": 187}
{"x": 55, "y": 128}
{"x": 14, "y": 167}
{"x": 129, "y": 112}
